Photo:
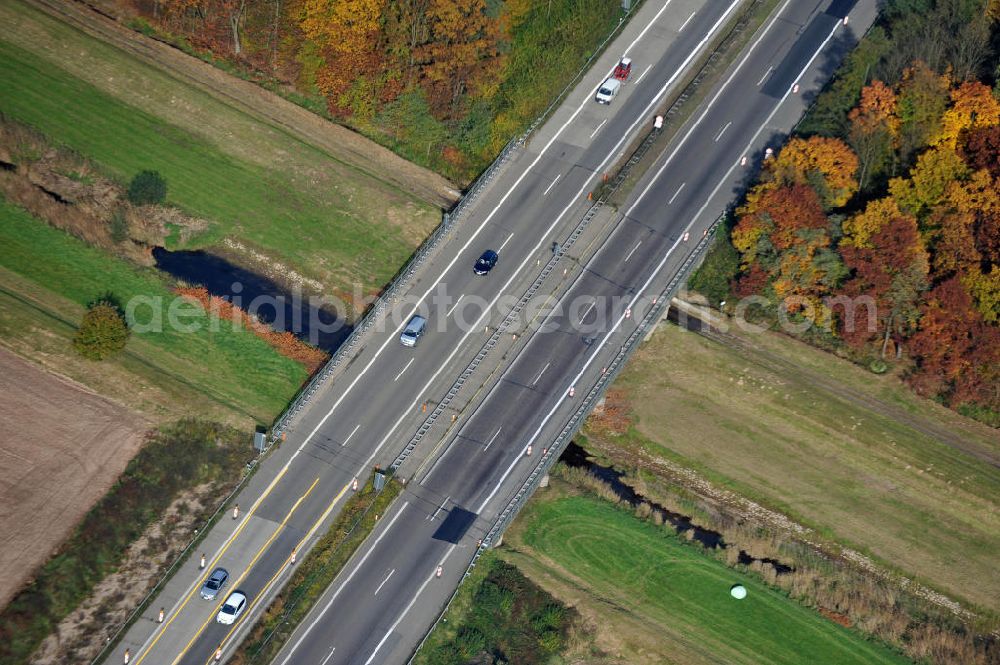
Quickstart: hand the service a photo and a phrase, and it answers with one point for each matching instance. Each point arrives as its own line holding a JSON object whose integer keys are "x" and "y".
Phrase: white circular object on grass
{"x": 738, "y": 591}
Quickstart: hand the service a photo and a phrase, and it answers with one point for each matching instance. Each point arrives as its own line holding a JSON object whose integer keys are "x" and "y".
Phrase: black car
{"x": 486, "y": 262}
{"x": 214, "y": 583}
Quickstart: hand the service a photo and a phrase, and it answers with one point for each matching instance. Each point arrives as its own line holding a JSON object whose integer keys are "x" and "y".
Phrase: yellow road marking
{"x": 208, "y": 569}
{"x": 246, "y": 571}
{"x": 298, "y": 547}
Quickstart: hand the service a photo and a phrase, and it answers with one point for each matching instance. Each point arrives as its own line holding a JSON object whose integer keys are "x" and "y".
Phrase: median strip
{"x": 293, "y": 603}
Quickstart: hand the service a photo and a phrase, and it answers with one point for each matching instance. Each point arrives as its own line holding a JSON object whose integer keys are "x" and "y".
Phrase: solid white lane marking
{"x": 329, "y": 656}
{"x": 594, "y": 355}
{"x": 676, "y": 193}
{"x": 540, "y": 373}
{"x": 586, "y": 312}
{"x": 455, "y": 305}
{"x": 551, "y": 184}
{"x": 407, "y": 609}
{"x": 598, "y": 128}
{"x": 641, "y": 118}
{"x": 404, "y": 369}
{"x": 353, "y": 431}
{"x": 708, "y": 107}
{"x": 684, "y": 24}
{"x": 333, "y": 598}
{"x": 505, "y": 243}
{"x": 596, "y": 352}
{"x": 723, "y": 131}
{"x": 384, "y": 581}
{"x": 440, "y": 508}
{"x": 644, "y": 72}
{"x": 629, "y": 255}
{"x": 494, "y": 438}
{"x": 769, "y": 69}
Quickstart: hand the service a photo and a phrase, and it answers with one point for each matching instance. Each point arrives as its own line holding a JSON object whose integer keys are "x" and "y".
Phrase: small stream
{"x": 575, "y": 456}
{"x": 285, "y": 311}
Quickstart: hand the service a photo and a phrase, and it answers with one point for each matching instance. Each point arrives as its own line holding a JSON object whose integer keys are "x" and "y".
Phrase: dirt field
{"x": 64, "y": 447}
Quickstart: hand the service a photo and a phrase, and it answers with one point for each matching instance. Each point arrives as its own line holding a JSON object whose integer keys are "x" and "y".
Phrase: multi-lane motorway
{"x": 389, "y": 594}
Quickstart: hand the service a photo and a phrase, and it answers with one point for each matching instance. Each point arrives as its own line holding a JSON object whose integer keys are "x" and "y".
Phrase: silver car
{"x": 414, "y": 329}
{"x": 214, "y": 583}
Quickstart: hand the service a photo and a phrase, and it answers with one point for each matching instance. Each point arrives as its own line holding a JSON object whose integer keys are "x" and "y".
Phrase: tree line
{"x": 445, "y": 83}
{"x": 880, "y": 219}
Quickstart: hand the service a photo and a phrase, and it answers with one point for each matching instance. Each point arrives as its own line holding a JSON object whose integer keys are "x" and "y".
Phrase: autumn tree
{"x": 346, "y": 33}
{"x": 929, "y": 179}
{"x": 973, "y": 106}
{"x": 784, "y": 241}
{"x": 462, "y": 54}
{"x": 827, "y": 164}
{"x": 981, "y": 149}
{"x": 874, "y": 130}
{"x": 891, "y": 269}
{"x": 957, "y": 353}
{"x": 922, "y": 99}
{"x": 979, "y": 196}
{"x": 860, "y": 227}
{"x": 985, "y": 291}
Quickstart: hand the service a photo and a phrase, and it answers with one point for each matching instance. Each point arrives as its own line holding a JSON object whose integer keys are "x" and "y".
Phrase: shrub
{"x": 119, "y": 226}
{"x": 717, "y": 271}
{"x": 146, "y": 188}
{"x": 102, "y": 333}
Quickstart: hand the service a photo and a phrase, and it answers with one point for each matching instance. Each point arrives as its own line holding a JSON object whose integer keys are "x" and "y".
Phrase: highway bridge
{"x": 597, "y": 278}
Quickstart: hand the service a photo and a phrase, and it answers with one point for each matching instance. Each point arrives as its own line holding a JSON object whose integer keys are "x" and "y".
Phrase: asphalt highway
{"x": 372, "y": 407}
{"x": 395, "y": 587}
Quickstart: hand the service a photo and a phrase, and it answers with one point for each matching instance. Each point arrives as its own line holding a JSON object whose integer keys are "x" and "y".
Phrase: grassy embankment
{"x": 855, "y": 456}
{"x": 179, "y": 456}
{"x": 46, "y": 279}
{"x": 251, "y": 180}
{"x": 639, "y": 594}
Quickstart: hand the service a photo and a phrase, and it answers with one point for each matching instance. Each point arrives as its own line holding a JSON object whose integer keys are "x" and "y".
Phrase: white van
{"x": 414, "y": 329}
{"x": 608, "y": 90}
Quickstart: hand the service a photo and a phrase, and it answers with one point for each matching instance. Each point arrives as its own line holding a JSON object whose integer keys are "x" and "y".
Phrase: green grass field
{"x": 49, "y": 278}
{"x": 856, "y": 456}
{"x": 251, "y": 180}
{"x": 656, "y": 599}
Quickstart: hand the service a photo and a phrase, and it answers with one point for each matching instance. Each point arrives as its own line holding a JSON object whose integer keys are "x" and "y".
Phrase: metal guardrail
{"x": 395, "y": 288}
{"x": 399, "y": 282}
{"x": 113, "y": 641}
{"x": 494, "y": 338}
{"x": 552, "y": 453}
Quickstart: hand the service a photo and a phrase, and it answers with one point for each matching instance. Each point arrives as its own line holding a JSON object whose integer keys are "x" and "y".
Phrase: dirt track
{"x": 339, "y": 142}
{"x": 62, "y": 449}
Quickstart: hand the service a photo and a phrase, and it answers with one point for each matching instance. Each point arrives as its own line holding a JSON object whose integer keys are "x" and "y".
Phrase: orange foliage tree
{"x": 828, "y": 164}
{"x": 973, "y": 106}
{"x": 461, "y": 53}
{"x": 892, "y": 269}
{"x": 346, "y": 33}
{"x": 874, "y": 129}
